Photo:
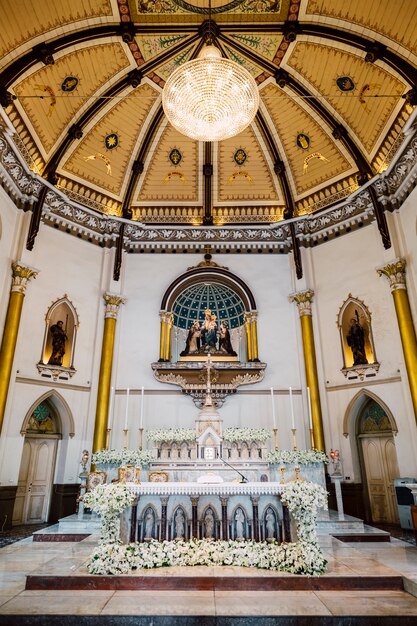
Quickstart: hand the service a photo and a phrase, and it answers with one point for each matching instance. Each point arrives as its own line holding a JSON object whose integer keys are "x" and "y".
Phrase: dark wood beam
{"x": 119, "y": 253}
{"x": 381, "y": 219}
{"x": 35, "y": 219}
{"x": 208, "y": 184}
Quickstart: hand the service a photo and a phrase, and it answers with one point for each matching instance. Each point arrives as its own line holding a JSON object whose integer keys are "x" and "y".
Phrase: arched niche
{"x": 242, "y": 324}
{"x": 358, "y": 349}
{"x": 58, "y": 348}
{"x": 59, "y": 410}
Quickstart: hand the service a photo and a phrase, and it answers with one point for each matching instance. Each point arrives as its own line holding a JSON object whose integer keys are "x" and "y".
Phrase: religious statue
{"x": 356, "y": 341}
{"x": 240, "y": 520}
{"x": 192, "y": 344}
{"x": 149, "y": 521}
{"x": 179, "y": 525}
{"x": 84, "y": 460}
{"x": 209, "y": 331}
{"x": 209, "y": 524}
{"x": 225, "y": 344}
{"x": 59, "y": 338}
{"x": 270, "y": 524}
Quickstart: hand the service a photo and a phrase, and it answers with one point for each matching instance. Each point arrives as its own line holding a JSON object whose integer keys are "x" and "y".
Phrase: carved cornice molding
{"x": 395, "y": 272}
{"x": 64, "y": 213}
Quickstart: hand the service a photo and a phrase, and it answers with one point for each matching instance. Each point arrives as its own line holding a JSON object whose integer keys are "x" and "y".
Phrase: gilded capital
{"x": 303, "y": 300}
{"x": 113, "y": 303}
{"x": 21, "y": 274}
{"x": 395, "y": 272}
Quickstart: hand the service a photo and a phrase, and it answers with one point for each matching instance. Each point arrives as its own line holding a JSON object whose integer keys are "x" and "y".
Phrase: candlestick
{"x": 141, "y": 408}
{"x": 292, "y": 410}
{"x": 125, "y": 431}
{"x": 273, "y": 407}
{"x": 111, "y": 409}
{"x": 275, "y": 438}
{"x": 127, "y": 407}
{"x": 297, "y": 472}
{"x": 282, "y": 472}
{"x": 122, "y": 474}
{"x": 312, "y": 439}
{"x": 294, "y": 438}
{"x": 310, "y": 418}
{"x": 108, "y": 431}
{"x": 140, "y": 437}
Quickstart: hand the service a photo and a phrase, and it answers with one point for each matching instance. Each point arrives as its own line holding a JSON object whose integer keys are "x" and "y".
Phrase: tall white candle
{"x": 141, "y": 408}
{"x": 273, "y": 407}
{"x": 111, "y": 409}
{"x": 127, "y": 408}
{"x": 310, "y": 418}
{"x": 292, "y": 410}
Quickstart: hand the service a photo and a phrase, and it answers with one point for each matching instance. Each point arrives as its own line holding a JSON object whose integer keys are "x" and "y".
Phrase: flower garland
{"x": 109, "y": 501}
{"x": 139, "y": 458}
{"x": 297, "y": 457}
{"x": 166, "y": 435}
{"x": 236, "y": 435}
{"x": 296, "y": 558}
{"x": 304, "y": 557}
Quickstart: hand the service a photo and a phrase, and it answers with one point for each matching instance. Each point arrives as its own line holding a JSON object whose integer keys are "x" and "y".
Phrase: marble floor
{"x": 345, "y": 560}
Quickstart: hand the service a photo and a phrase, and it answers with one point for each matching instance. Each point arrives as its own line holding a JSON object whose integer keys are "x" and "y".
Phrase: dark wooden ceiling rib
{"x": 115, "y": 90}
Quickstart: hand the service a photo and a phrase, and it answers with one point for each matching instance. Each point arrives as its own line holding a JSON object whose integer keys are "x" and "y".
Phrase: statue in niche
{"x": 270, "y": 524}
{"x": 209, "y": 331}
{"x": 149, "y": 522}
{"x": 179, "y": 525}
{"x": 192, "y": 344}
{"x": 355, "y": 339}
{"x": 59, "y": 338}
{"x": 225, "y": 344}
{"x": 240, "y": 521}
{"x": 209, "y": 524}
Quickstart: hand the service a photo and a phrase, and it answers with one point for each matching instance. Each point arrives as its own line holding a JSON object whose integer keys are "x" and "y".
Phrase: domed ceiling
{"x": 81, "y": 82}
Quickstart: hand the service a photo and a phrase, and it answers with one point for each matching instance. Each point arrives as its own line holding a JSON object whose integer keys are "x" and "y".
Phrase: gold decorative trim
{"x": 395, "y": 272}
{"x": 21, "y": 274}
{"x": 303, "y": 300}
{"x": 113, "y": 303}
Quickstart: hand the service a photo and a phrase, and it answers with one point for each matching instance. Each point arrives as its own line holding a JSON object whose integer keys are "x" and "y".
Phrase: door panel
{"x": 380, "y": 459}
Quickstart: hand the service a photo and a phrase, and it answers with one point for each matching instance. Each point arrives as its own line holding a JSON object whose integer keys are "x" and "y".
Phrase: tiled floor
{"x": 345, "y": 559}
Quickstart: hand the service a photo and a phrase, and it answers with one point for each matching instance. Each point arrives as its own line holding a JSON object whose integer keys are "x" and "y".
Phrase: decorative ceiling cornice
{"x": 391, "y": 188}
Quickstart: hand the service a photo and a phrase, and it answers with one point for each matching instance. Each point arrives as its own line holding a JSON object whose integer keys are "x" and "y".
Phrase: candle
{"x": 310, "y": 419}
{"x": 141, "y": 408}
{"x": 111, "y": 409}
{"x": 292, "y": 410}
{"x": 127, "y": 407}
{"x": 273, "y": 407}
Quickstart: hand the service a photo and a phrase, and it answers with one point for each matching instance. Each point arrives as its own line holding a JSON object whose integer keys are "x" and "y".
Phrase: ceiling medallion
{"x": 175, "y": 157}
{"x": 69, "y": 84}
{"x": 345, "y": 83}
{"x": 111, "y": 141}
{"x": 210, "y": 98}
{"x": 240, "y": 156}
{"x": 303, "y": 141}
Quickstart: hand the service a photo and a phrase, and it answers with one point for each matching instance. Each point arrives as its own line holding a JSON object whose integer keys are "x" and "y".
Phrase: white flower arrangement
{"x": 297, "y": 457}
{"x": 139, "y": 458}
{"x": 236, "y": 435}
{"x": 303, "y": 500}
{"x": 296, "y": 558}
{"x": 109, "y": 501}
{"x": 166, "y": 435}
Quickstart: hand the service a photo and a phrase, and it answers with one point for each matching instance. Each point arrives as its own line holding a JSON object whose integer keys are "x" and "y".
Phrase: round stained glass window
{"x": 221, "y": 300}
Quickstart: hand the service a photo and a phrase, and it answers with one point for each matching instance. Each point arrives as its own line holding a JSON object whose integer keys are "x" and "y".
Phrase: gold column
{"x": 169, "y": 322}
{"x": 303, "y": 300}
{"x": 395, "y": 272}
{"x": 113, "y": 303}
{"x": 254, "y": 334}
{"x": 162, "y": 335}
{"x": 21, "y": 274}
{"x": 248, "y": 328}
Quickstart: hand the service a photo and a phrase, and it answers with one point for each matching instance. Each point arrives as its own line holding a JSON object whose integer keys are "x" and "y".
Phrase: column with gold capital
{"x": 21, "y": 274}
{"x": 395, "y": 272}
{"x": 303, "y": 300}
{"x": 113, "y": 303}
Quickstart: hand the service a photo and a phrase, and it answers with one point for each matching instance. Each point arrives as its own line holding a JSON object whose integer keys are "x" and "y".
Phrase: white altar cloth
{"x": 205, "y": 489}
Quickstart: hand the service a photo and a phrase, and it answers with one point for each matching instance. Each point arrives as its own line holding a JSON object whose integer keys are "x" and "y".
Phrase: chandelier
{"x": 210, "y": 98}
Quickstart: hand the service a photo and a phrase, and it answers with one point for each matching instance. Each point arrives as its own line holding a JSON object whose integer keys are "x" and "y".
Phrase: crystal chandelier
{"x": 210, "y": 98}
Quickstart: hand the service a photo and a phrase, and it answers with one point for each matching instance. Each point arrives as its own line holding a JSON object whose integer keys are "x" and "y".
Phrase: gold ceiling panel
{"x": 367, "y": 96}
{"x": 264, "y": 45}
{"x": 154, "y": 45}
{"x": 396, "y": 19}
{"x": 172, "y": 174}
{"x": 22, "y": 21}
{"x": 62, "y": 89}
{"x": 244, "y": 174}
{"x": 311, "y": 152}
{"x": 170, "y": 66}
{"x": 93, "y": 162}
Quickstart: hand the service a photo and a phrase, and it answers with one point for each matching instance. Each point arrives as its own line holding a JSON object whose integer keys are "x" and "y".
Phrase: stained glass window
{"x": 220, "y": 299}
